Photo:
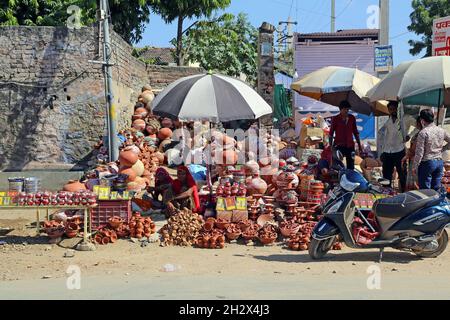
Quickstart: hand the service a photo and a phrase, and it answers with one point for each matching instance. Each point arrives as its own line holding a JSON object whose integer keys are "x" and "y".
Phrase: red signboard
{"x": 441, "y": 37}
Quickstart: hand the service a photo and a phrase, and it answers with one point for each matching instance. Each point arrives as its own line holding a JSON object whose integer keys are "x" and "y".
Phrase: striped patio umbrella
{"x": 332, "y": 85}
{"x": 210, "y": 97}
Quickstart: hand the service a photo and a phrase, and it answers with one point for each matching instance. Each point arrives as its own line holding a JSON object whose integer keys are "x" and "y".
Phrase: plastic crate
{"x": 107, "y": 209}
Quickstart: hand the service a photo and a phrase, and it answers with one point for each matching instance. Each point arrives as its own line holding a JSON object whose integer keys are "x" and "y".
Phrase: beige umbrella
{"x": 422, "y": 82}
{"x": 332, "y": 85}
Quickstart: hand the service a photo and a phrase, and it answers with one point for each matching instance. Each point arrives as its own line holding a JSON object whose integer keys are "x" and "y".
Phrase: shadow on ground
{"x": 395, "y": 257}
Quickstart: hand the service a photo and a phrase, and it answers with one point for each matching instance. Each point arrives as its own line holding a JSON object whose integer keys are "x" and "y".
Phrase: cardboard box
{"x": 306, "y": 133}
{"x": 225, "y": 215}
{"x": 239, "y": 216}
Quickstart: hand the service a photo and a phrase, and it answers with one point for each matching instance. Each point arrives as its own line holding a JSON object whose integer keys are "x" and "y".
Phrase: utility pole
{"x": 113, "y": 145}
{"x": 384, "y": 28}
{"x": 333, "y": 16}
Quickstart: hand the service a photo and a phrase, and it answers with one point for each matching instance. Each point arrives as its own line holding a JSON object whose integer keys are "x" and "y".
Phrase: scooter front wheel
{"x": 319, "y": 248}
{"x": 442, "y": 244}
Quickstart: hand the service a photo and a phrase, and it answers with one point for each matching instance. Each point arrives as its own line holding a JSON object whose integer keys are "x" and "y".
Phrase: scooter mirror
{"x": 339, "y": 155}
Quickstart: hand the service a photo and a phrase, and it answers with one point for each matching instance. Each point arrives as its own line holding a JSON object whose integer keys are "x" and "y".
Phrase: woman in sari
{"x": 184, "y": 192}
{"x": 411, "y": 180}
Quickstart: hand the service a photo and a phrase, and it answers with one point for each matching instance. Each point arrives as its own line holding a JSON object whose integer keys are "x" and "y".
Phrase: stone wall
{"x": 52, "y": 99}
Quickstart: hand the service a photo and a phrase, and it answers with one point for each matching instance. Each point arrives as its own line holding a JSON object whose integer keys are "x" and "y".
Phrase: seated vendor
{"x": 184, "y": 192}
{"x": 324, "y": 164}
{"x": 163, "y": 186}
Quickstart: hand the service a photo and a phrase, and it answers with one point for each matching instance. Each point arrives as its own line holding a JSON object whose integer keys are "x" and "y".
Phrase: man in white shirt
{"x": 391, "y": 148}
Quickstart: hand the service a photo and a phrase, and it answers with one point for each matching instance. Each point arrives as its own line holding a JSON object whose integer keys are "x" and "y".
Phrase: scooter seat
{"x": 406, "y": 203}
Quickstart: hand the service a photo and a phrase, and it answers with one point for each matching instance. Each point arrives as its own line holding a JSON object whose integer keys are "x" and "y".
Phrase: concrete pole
{"x": 333, "y": 16}
{"x": 384, "y": 22}
{"x": 113, "y": 143}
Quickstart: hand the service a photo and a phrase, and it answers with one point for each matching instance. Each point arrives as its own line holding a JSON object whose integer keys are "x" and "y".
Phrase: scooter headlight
{"x": 348, "y": 185}
{"x": 334, "y": 208}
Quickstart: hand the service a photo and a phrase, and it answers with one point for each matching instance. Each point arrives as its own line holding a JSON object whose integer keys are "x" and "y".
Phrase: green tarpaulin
{"x": 282, "y": 107}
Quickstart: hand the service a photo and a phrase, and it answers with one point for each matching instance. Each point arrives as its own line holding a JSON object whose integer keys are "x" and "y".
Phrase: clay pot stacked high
{"x": 131, "y": 166}
{"x": 141, "y": 227}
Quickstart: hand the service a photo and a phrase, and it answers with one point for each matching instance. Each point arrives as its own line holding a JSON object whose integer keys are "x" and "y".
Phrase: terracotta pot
{"x": 222, "y": 225}
{"x": 115, "y": 223}
{"x": 160, "y": 157}
{"x": 113, "y": 238}
{"x": 141, "y": 112}
{"x": 256, "y": 185}
{"x": 263, "y": 219}
{"x": 74, "y": 186}
{"x": 233, "y": 235}
{"x": 164, "y": 133}
{"x": 71, "y": 233}
{"x": 138, "y": 168}
{"x": 139, "y": 125}
{"x": 105, "y": 240}
{"x": 146, "y": 97}
{"x": 130, "y": 173}
{"x": 128, "y": 158}
{"x": 72, "y": 226}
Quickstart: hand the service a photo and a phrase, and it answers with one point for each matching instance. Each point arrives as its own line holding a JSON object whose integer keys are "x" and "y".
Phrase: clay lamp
{"x": 291, "y": 209}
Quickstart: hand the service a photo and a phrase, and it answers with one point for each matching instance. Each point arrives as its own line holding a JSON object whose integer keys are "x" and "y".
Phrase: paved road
{"x": 280, "y": 286}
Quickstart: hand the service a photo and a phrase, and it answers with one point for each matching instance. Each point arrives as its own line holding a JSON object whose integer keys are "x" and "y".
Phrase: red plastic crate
{"x": 108, "y": 208}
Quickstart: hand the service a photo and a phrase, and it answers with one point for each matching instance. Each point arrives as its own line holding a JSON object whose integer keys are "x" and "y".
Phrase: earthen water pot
{"x": 160, "y": 157}
{"x": 256, "y": 185}
{"x": 146, "y": 97}
{"x": 139, "y": 125}
{"x": 164, "y": 133}
{"x": 138, "y": 168}
{"x": 105, "y": 240}
{"x": 130, "y": 173}
{"x": 141, "y": 112}
{"x": 127, "y": 157}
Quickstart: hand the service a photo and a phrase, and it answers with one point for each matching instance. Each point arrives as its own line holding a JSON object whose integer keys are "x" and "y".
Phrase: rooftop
{"x": 350, "y": 34}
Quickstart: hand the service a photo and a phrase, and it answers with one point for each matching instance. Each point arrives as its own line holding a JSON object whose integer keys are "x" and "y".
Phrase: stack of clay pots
{"x": 315, "y": 192}
{"x": 250, "y": 230}
{"x": 131, "y": 166}
{"x": 268, "y": 234}
{"x": 182, "y": 229}
{"x": 54, "y": 229}
{"x": 141, "y": 227}
{"x": 211, "y": 235}
{"x": 105, "y": 235}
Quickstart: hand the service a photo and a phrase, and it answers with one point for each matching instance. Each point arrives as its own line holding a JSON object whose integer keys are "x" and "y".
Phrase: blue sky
{"x": 313, "y": 16}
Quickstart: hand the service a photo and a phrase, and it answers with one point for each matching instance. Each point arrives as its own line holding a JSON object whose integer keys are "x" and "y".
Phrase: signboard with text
{"x": 384, "y": 58}
{"x": 441, "y": 37}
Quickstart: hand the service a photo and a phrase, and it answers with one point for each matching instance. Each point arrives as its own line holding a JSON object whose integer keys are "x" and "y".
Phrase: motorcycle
{"x": 413, "y": 221}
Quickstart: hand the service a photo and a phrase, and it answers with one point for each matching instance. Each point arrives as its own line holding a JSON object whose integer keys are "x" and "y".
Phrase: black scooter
{"x": 413, "y": 221}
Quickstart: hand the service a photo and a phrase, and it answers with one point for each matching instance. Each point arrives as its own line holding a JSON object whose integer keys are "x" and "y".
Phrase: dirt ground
{"x": 29, "y": 265}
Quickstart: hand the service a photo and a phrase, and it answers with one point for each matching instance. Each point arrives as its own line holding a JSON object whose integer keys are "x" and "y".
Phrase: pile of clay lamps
{"x": 182, "y": 229}
{"x": 141, "y": 227}
{"x": 233, "y": 231}
{"x": 250, "y": 232}
{"x": 62, "y": 198}
{"x": 288, "y": 227}
{"x": 268, "y": 234}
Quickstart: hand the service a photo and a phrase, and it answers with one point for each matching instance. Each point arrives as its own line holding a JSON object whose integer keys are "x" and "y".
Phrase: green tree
{"x": 425, "y": 11}
{"x": 129, "y": 17}
{"x": 227, "y": 44}
{"x": 171, "y": 10}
